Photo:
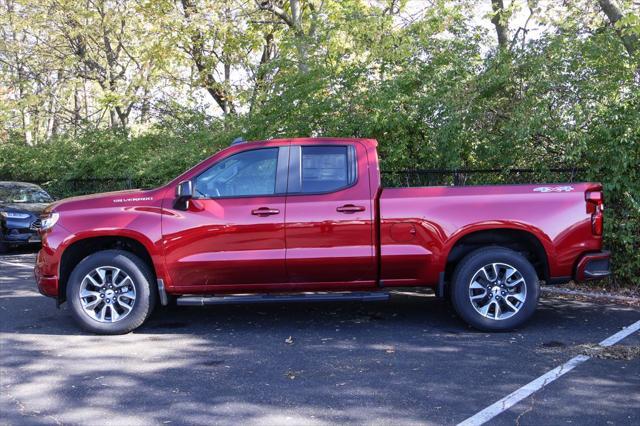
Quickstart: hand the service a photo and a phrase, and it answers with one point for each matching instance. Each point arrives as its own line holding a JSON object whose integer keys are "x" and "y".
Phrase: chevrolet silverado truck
{"x": 307, "y": 219}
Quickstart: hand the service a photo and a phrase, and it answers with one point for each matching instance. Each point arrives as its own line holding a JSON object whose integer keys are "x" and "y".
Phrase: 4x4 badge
{"x": 553, "y": 189}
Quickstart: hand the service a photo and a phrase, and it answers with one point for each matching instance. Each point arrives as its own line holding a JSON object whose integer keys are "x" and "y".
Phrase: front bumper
{"x": 593, "y": 266}
{"x": 47, "y": 286}
{"x": 47, "y": 282}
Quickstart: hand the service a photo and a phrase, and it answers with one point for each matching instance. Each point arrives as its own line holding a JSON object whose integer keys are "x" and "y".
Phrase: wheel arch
{"x": 81, "y": 248}
{"x": 517, "y": 239}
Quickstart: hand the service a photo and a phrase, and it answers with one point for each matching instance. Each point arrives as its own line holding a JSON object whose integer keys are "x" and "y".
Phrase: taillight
{"x": 595, "y": 206}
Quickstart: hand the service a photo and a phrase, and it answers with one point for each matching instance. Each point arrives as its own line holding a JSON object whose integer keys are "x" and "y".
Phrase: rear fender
{"x": 535, "y": 232}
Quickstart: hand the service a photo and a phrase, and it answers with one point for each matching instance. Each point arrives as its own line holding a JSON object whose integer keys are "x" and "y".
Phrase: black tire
{"x": 4, "y": 248}
{"x": 472, "y": 264}
{"x": 141, "y": 277}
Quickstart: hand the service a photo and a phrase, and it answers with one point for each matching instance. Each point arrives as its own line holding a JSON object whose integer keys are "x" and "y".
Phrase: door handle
{"x": 350, "y": 208}
{"x": 264, "y": 211}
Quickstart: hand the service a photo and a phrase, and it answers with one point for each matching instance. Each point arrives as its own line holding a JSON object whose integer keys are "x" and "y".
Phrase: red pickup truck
{"x": 307, "y": 219}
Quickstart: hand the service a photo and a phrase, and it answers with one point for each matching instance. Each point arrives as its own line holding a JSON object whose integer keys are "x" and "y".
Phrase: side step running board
{"x": 288, "y": 298}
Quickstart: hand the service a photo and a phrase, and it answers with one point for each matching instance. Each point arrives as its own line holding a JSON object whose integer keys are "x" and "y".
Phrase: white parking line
{"x": 19, "y": 265}
{"x": 612, "y": 340}
{"x": 513, "y": 398}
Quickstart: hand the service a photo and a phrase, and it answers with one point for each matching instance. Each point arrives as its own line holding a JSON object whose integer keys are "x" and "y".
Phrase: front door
{"x": 329, "y": 222}
{"x": 232, "y": 233}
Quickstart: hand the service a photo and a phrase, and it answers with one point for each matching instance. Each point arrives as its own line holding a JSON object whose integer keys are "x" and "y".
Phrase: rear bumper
{"x": 593, "y": 266}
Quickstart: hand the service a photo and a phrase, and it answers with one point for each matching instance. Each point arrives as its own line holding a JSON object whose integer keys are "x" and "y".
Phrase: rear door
{"x": 329, "y": 221}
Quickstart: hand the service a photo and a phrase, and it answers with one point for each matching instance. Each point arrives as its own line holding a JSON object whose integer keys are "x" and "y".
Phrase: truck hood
{"x": 127, "y": 198}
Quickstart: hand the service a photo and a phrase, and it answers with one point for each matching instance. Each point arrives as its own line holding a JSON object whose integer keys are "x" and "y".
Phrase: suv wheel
{"x": 110, "y": 292}
{"x": 495, "y": 289}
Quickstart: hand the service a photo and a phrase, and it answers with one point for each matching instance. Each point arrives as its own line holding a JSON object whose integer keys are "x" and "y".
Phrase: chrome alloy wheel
{"x": 107, "y": 294}
{"x": 497, "y": 291}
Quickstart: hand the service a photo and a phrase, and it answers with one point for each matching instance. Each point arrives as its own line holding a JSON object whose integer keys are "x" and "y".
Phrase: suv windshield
{"x": 23, "y": 194}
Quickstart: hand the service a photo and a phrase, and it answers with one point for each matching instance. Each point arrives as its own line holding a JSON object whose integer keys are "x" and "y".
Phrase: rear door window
{"x": 326, "y": 168}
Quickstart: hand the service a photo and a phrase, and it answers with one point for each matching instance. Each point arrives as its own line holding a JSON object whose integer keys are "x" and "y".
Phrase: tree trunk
{"x": 219, "y": 93}
{"x": 294, "y": 22}
{"x": 268, "y": 51}
{"x": 51, "y": 120}
{"x": 501, "y": 22}
{"x": 301, "y": 42}
{"x": 614, "y": 14}
{"x": 303, "y": 61}
{"x": 146, "y": 105}
{"x": 113, "y": 119}
{"x": 123, "y": 115}
{"x": 227, "y": 83}
{"x": 76, "y": 110}
{"x": 26, "y": 125}
{"x": 24, "y": 110}
{"x": 227, "y": 67}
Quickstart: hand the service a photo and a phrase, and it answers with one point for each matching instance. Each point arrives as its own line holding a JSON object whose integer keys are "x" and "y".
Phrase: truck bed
{"x": 418, "y": 226}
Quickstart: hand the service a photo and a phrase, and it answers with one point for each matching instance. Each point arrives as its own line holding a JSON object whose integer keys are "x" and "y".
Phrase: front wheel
{"x": 110, "y": 292}
{"x": 495, "y": 289}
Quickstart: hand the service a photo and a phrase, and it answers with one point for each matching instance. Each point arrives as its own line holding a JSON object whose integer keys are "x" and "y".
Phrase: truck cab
{"x": 277, "y": 215}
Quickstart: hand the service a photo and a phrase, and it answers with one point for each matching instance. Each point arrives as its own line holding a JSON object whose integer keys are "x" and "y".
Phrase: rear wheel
{"x": 495, "y": 289}
{"x": 110, "y": 292}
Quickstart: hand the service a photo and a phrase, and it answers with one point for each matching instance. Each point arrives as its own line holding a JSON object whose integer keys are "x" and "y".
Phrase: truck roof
{"x": 319, "y": 140}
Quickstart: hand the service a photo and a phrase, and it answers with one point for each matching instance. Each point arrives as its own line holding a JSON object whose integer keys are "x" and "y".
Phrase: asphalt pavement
{"x": 406, "y": 361}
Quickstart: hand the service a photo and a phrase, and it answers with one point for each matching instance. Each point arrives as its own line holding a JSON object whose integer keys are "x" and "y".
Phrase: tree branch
{"x": 277, "y": 10}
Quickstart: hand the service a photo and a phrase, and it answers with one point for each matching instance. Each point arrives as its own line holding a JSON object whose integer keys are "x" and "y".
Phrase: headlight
{"x": 48, "y": 221}
{"x": 14, "y": 215}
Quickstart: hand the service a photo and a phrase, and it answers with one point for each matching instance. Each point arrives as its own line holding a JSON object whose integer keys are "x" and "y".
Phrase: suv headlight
{"x": 14, "y": 215}
{"x": 48, "y": 220}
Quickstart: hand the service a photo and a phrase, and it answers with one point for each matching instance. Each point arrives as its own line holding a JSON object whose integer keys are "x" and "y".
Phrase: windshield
{"x": 22, "y": 194}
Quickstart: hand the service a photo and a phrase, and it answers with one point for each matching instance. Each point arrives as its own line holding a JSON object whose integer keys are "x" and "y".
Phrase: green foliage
{"x": 153, "y": 157}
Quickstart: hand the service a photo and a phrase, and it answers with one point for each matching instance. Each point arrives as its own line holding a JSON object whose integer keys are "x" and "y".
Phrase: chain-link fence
{"x": 62, "y": 188}
{"x": 462, "y": 177}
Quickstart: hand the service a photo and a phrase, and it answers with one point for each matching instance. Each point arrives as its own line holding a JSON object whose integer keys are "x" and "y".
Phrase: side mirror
{"x": 184, "y": 192}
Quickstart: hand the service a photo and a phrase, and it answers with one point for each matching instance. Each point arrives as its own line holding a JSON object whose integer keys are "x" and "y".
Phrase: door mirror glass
{"x": 184, "y": 192}
{"x": 184, "y": 189}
